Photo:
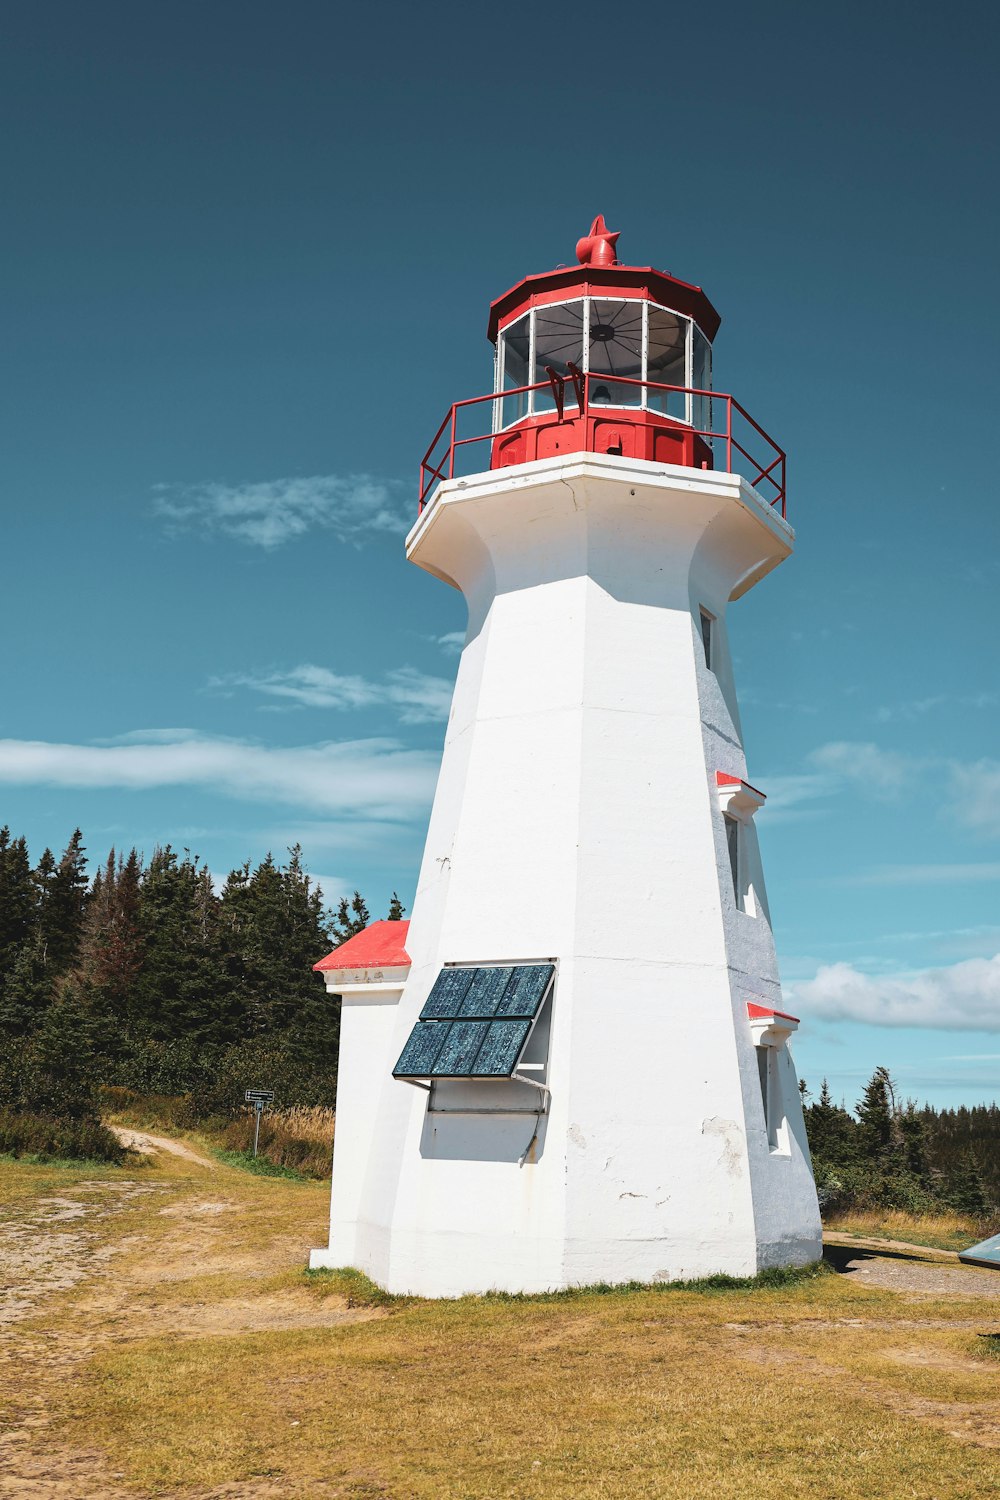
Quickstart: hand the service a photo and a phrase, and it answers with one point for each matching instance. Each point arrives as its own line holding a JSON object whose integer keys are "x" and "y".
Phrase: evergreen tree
{"x": 182, "y": 990}
{"x": 16, "y": 901}
{"x": 62, "y": 890}
{"x": 966, "y": 1191}
{"x": 831, "y": 1130}
{"x": 913, "y": 1130}
{"x": 62, "y": 1065}
{"x": 275, "y": 920}
{"x": 28, "y": 992}
{"x": 350, "y": 919}
{"x": 110, "y": 957}
{"x": 879, "y": 1135}
{"x": 397, "y": 910}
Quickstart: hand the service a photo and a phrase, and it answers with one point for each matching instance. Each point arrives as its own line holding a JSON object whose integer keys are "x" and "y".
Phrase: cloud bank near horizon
{"x": 961, "y": 997}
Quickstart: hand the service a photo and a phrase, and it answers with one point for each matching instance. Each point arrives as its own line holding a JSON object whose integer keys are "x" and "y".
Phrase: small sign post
{"x": 258, "y": 1098}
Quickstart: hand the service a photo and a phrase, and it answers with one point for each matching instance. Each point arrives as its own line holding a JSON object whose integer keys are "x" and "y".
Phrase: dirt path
{"x": 106, "y": 1261}
{"x": 148, "y": 1145}
{"x": 899, "y": 1267}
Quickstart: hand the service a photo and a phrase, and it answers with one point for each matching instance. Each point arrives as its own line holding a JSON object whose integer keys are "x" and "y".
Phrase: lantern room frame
{"x": 535, "y": 398}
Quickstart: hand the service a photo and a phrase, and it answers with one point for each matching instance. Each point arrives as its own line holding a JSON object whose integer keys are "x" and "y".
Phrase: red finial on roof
{"x": 598, "y": 247}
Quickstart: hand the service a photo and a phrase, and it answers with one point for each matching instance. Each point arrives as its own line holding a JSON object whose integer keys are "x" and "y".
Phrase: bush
{"x": 863, "y": 1186}
{"x": 46, "y": 1138}
{"x": 151, "y": 1111}
{"x": 164, "y": 1068}
{"x": 262, "y": 1062}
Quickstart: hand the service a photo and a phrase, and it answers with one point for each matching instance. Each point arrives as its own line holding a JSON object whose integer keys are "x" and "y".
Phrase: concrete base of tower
{"x": 459, "y": 1269}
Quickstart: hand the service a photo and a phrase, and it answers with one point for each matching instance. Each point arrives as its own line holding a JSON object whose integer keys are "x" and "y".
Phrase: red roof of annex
{"x": 380, "y": 945}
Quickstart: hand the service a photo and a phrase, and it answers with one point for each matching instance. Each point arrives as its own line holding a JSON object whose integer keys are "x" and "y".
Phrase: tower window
{"x": 762, "y": 1069}
{"x": 770, "y": 1093}
{"x": 707, "y": 623}
{"x": 733, "y": 845}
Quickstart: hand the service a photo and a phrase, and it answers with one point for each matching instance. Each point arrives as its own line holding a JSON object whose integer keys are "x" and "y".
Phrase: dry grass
{"x": 300, "y": 1138}
{"x": 215, "y": 1361}
{"x": 945, "y": 1231}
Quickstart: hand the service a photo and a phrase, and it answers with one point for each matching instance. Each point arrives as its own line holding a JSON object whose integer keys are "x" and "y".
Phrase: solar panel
{"x": 445, "y": 1000}
{"x": 460, "y": 1049}
{"x": 986, "y": 1253}
{"x": 485, "y": 992}
{"x": 501, "y": 1049}
{"x": 422, "y": 1047}
{"x": 475, "y": 1022}
{"x": 525, "y": 992}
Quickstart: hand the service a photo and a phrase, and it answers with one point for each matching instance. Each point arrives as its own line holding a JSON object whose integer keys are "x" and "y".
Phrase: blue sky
{"x": 247, "y": 261}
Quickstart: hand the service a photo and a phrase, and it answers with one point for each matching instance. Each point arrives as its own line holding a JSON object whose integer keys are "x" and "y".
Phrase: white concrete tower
{"x": 577, "y": 1069}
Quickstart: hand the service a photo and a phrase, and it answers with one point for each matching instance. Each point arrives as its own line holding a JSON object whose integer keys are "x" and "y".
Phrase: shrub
{"x": 150, "y": 1111}
{"x": 865, "y": 1186}
{"x": 262, "y": 1062}
{"x": 46, "y": 1137}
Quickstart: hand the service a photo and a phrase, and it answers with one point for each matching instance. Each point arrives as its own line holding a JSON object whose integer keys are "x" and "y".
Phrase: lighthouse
{"x": 573, "y": 1065}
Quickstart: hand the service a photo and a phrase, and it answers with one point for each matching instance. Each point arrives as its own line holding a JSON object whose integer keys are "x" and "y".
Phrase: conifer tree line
{"x": 144, "y": 977}
{"x": 891, "y": 1153}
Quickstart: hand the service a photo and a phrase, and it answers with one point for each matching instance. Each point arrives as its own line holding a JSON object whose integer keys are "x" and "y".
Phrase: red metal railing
{"x": 730, "y": 428}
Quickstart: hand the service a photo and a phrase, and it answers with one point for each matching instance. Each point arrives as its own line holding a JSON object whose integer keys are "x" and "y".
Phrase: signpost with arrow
{"x": 258, "y": 1098}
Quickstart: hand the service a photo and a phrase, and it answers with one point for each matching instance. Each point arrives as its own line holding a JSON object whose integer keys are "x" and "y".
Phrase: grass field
{"x": 162, "y": 1338}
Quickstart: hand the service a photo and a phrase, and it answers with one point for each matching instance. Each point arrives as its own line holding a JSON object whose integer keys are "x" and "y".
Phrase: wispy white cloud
{"x": 373, "y": 778}
{"x": 451, "y": 642}
{"x": 267, "y": 513}
{"x": 832, "y": 767}
{"x": 962, "y": 997}
{"x": 416, "y": 696}
{"x": 859, "y": 762}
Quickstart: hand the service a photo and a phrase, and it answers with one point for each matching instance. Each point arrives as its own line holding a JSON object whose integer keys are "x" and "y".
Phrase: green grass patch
{"x": 361, "y": 1291}
{"x": 258, "y": 1166}
{"x": 358, "y": 1289}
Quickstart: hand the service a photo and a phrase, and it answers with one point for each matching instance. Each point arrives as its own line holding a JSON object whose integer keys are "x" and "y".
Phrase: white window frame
{"x": 738, "y": 802}
{"x": 499, "y": 359}
{"x": 775, "y": 1114}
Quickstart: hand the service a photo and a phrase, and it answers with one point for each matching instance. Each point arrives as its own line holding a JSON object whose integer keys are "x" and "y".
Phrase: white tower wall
{"x": 578, "y": 819}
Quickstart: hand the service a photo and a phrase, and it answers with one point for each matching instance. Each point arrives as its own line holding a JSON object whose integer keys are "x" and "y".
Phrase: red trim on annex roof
{"x": 582, "y": 281}
{"x": 723, "y": 778}
{"x": 757, "y": 1012}
{"x": 380, "y": 945}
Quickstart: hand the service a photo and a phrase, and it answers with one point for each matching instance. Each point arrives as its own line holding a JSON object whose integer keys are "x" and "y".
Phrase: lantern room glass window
{"x": 667, "y": 362}
{"x": 558, "y": 343}
{"x": 609, "y": 338}
{"x": 515, "y": 355}
{"x": 615, "y": 342}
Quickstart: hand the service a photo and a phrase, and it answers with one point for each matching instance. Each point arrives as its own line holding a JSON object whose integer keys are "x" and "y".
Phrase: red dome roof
{"x": 600, "y": 273}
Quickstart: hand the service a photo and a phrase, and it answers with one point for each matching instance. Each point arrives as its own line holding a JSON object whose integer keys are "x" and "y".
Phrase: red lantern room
{"x": 624, "y": 351}
{"x": 604, "y": 358}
